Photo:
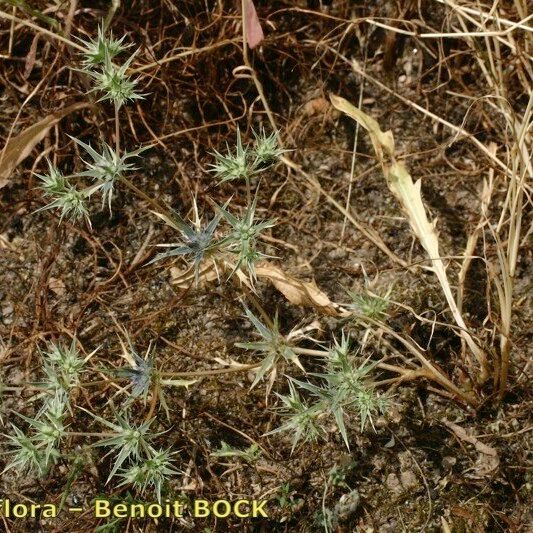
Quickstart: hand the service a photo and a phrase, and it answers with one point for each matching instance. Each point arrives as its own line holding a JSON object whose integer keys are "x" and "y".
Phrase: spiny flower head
{"x": 369, "y": 305}
{"x": 96, "y": 50}
{"x": 266, "y": 149}
{"x": 272, "y": 345}
{"x": 106, "y": 168}
{"x": 26, "y": 457}
{"x": 71, "y": 202}
{"x": 114, "y": 83}
{"x": 301, "y": 419}
{"x": 246, "y": 161}
{"x": 54, "y": 182}
{"x": 62, "y": 366}
{"x": 153, "y": 471}
{"x": 242, "y": 240}
{"x": 130, "y": 441}
{"x": 234, "y": 165}
{"x": 141, "y": 370}
{"x": 346, "y": 388}
{"x": 39, "y": 451}
{"x": 198, "y": 242}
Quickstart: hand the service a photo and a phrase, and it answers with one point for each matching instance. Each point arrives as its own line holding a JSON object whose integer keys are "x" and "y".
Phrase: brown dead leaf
{"x": 488, "y": 459}
{"x": 185, "y": 278}
{"x": 30, "y": 58}
{"x": 298, "y": 292}
{"x": 463, "y": 435}
{"x": 57, "y": 286}
{"x": 20, "y": 147}
{"x": 303, "y": 293}
{"x": 382, "y": 141}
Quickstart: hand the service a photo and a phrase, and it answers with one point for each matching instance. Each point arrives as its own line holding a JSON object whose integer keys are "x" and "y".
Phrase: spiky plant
{"x": 97, "y": 50}
{"x": 198, "y": 241}
{"x": 145, "y": 377}
{"x": 153, "y": 472}
{"x": 106, "y": 168}
{"x": 302, "y": 420}
{"x": 243, "y": 239}
{"x": 37, "y": 451}
{"x": 25, "y": 456}
{"x": 273, "y": 346}
{"x": 54, "y": 182}
{"x": 266, "y": 150}
{"x": 369, "y": 305}
{"x": 246, "y": 161}
{"x": 113, "y": 82}
{"x": 62, "y": 365}
{"x": 71, "y": 202}
{"x": 130, "y": 442}
{"x": 140, "y": 370}
{"x": 234, "y": 165}
{"x": 344, "y": 389}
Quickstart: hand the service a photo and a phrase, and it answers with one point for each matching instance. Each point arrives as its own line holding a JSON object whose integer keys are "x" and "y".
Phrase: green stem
{"x": 117, "y": 131}
{"x": 248, "y": 192}
{"x": 84, "y": 434}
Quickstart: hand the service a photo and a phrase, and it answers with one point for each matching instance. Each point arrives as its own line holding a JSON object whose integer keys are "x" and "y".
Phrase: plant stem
{"x": 213, "y": 372}
{"x": 83, "y": 434}
{"x": 144, "y": 196}
{"x": 244, "y": 43}
{"x": 115, "y": 4}
{"x": 307, "y": 351}
{"x": 248, "y": 192}
{"x": 117, "y": 131}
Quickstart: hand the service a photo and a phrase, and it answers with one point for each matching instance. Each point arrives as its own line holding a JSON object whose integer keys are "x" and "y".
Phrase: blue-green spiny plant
{"x": 344, "y": 389}
{"x": 273, "y": 346}
{"x": 198, "y": 241}
{"x": 113, "y": 82}
{"x": 243, "y": 239}
{"x": 71, "y": 202}
{"x": 241, "y": 242}
{"x": 145, "y": 378}
{"x": 96, "y": 50}
{"x": 153, "y": 472}
{"x": 107, "y": 167}
{"x": 369, "y": 305}
{"x": 302, "y": 420}
{"x": 129, "y": 441}
{"x": 62, "y": 365}
{"x": 37, "y": 451}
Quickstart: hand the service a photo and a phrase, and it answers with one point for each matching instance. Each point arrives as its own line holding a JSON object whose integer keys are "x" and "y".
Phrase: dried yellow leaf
{"x": 20, "y": 147}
